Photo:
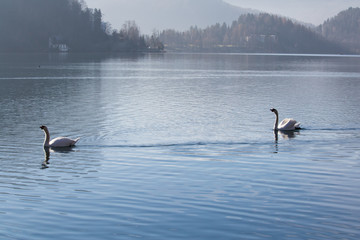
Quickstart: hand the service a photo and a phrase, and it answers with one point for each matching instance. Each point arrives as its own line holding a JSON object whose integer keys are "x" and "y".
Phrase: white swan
{"x": 287, "y": 124}
{"x": 57, "y": 142}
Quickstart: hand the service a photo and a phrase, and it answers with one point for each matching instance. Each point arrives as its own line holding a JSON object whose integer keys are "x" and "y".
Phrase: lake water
{"x": 180, "y": 146}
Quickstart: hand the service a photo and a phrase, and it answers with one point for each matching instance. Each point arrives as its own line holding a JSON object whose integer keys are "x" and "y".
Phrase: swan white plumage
{"x": 57, "y": 142}
{"x": 288, "y": 124}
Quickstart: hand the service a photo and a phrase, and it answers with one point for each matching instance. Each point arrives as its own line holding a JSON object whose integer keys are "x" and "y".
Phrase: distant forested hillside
{"x": 344, "y": 29}
{"x": 28, "y": 25}
{"x": 252, "y": 33}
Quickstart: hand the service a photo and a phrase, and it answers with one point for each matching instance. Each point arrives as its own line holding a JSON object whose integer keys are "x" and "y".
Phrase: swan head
{"x": 43, "y": 127}
{"x": 274, "y": 110}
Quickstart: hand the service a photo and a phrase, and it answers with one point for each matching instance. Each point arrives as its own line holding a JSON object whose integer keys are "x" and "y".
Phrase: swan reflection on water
{"x": 47, "y": 158}
{"x": 287, "y": 135}
{"x": 47, "y": 151}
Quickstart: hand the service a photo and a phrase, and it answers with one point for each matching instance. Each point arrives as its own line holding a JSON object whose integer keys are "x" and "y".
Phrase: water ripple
{"x": 181, "y": 147}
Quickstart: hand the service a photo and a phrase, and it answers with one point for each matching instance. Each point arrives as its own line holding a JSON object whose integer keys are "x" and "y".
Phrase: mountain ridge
{"x": 175, "y": 14}
{"x": 344, "y": 28}
{"x": 260, "y": 33}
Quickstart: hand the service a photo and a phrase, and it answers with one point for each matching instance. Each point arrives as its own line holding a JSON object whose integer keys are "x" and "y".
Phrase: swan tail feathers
{"x": 297, "y": 125}
{"x": 74, "y": 142}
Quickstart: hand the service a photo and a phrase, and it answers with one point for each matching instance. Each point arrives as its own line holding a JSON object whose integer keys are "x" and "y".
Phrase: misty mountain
{"x": 261, "y": 33}
{"x": 344, "y": 29}
{"x": 175, "y": 14}
{"x": 29, "y": 25}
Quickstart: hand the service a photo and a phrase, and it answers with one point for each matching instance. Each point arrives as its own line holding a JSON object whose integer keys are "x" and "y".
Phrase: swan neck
{"x": 276, "y": 121}
{"x": 47, "y": 138}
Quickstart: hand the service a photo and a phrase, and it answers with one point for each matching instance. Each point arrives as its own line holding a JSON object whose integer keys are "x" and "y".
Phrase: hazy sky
{"x": 309, "y": 11}
{"x": 146, "y": 13}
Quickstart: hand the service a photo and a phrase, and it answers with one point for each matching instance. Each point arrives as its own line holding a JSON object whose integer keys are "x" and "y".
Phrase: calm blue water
{"x": 180, "y": 146}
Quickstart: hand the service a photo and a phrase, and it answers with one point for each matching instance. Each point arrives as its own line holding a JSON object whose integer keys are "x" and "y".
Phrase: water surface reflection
{"x": 180, "y": 146}
{"x": 48, "y": 150}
